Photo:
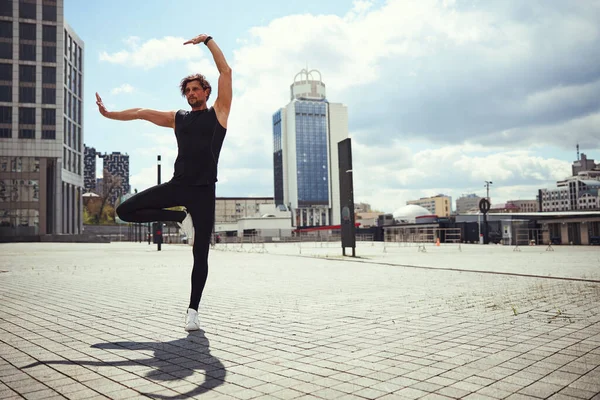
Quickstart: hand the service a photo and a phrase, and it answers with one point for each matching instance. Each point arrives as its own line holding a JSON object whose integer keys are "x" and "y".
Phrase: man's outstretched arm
{"x": 223, "y": 101}
{"x": 160, "y": 118}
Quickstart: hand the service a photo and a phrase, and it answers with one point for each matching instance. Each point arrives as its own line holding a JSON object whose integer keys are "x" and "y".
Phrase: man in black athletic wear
{"x": 200, "y": 134}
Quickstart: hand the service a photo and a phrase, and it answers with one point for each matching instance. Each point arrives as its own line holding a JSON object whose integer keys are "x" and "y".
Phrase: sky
{"x": 442, "y": 95}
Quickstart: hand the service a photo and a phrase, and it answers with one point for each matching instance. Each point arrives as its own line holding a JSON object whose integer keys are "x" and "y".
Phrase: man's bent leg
{"x": 149, "y": 205}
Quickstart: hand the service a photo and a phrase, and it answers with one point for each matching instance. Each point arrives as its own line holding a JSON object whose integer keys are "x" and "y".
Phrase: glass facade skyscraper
{"x": 278, "y": 158}
{"x": 305, "y": 136}
{"x": 312, "y": 161}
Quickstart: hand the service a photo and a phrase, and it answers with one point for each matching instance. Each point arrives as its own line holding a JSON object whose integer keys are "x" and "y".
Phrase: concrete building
{"x": 467, "y": 203}
{"x": 554, "y": 199}
{"x": 367, "y": 219}
{"x": 571, "y": 194}
{"x": 41, "y": 134}
{"x": 306, "y": 133}
{"x": 440, "y": 205}
{"x": 525, "y": 205}
{"x": 583, "y": 164}
{"x": 228, "y": 210}
{"x": 581, "y": 191}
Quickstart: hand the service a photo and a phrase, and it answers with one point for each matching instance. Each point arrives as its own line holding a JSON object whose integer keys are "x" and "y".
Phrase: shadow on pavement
{"x": 172, "y": 360}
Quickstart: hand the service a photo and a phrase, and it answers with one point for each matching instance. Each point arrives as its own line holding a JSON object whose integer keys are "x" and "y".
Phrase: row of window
{"x": 27, "y": 115}
{"x": 72, "y": 137}
{"x": 72, "y": 51}
{"x": 28, "y": 9}
{"x": 19, "y": 218}
{"x": 72, "y": 79}
{"x": 27, "y": 121}
{"x": 27, "y": 94}
{"x": 19, "y": 164}
{"x": 28, "y": 32}
{"x": 71, "y": 161}
{"x": 27, "y": 51}
{"x": 72, "y": 106}
{"x": 19, "y": 190}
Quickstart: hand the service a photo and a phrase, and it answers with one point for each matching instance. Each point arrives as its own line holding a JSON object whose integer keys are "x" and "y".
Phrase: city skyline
{"x": 421, "y": 122}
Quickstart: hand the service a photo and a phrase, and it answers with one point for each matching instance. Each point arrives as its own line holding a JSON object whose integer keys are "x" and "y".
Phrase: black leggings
{"x": 149, "y": 206}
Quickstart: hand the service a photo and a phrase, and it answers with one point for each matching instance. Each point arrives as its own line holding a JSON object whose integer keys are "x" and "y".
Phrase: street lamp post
{"x": 487, "y": 185}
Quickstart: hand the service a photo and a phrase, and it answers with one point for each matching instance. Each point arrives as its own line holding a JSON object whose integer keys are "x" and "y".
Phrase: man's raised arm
{"x": 160, "y": 118}
{"x": 223, "y": 101}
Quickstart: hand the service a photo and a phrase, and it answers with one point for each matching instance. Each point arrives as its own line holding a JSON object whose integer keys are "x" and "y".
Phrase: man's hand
{"x": 101, "y": 107}
{"x": 198, "y": 39}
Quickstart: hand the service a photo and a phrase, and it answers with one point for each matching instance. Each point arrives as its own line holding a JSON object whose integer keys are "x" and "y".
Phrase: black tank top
{"x": 199, "y": 140}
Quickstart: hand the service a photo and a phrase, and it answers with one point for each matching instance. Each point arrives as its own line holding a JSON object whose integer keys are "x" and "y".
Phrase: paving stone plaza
{"x": 298, "y": 320}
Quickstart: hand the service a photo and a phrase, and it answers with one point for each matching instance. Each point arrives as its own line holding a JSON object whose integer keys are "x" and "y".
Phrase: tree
{"x": 102, "y": 210}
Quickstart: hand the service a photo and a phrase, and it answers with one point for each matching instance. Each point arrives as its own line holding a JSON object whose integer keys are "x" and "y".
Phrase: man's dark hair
{"x": 195, "y": 77}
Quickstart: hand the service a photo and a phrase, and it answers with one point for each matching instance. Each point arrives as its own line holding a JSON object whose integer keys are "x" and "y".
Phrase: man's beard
{"x": 196, "y": 103}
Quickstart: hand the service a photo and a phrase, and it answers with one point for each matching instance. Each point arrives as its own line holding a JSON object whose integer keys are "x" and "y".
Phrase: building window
{"x": 49, "y": 33}
{"x": 26, "y": 94}
{"x": 6, "y": 8}
{"x": 5, "y": 122}
{"x": 49, "y": 75}
{"x": 48, "y": 95}
{"x": 5, "y": 115}
{"x": 27, "y": 31}
{"x": 26, "y": 133}
{"x": 6, "y": 73}
{"x": 48, "y": 54}
{"x": 6, "y": 92}
{"x": 26, "y": 123}
{"x": 27, "y": 83}
{"x": 48, "y": 116}
{"x": 6, "y": 29}
{"x": 49, "y": 11}
{"x": 49, "y": 134}
{"x": 5, "y": 49}
{"x": 27, "y": 73}
{"x": 27, "y": 51}
{"x": 27, "y": 9}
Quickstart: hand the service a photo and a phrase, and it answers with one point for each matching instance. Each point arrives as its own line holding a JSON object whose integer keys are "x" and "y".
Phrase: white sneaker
{"x": 191, "y": 321}
{"x": 187, "y": 226}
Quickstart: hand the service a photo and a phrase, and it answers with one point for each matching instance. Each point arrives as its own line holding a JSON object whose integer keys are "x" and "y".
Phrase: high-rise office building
{"x": 440, "y": 205}
{"x": 41, "y": 137}
{"x": 306, "y": 133}
{"x": 117, "y": 166}
{"x": 467, "y": 203}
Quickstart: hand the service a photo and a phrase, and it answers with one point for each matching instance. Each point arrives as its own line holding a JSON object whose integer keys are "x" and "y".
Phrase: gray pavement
{"x": 286, "y": 321}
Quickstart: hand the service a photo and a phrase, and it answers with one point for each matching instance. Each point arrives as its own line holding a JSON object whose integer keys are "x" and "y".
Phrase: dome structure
{"x": 409, "y": 213}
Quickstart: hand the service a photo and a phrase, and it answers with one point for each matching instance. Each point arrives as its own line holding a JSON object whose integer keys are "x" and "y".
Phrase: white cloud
{"x": 387, "y": 182}
{"x": 153, "y": 52}
{"x": 124, "y": 88}
{"x": 462, "y": 78}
